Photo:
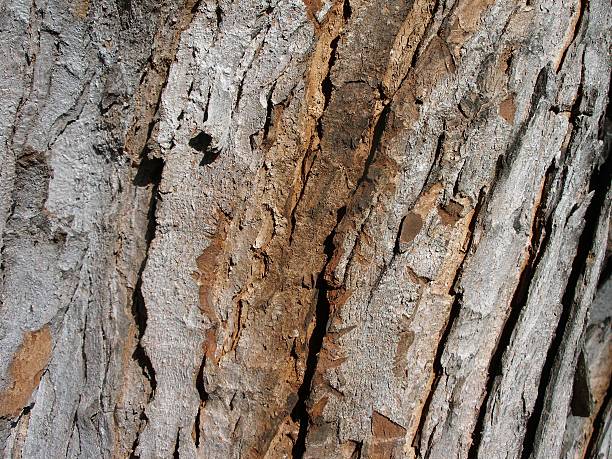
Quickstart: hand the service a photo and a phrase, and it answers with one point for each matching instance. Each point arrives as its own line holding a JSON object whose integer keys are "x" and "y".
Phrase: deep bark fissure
{"x": 269, "y": 112}
{"x": 327, "y": 87}
{"x": 148, "y": 175}
{"x": 176, "y": 454}
{"x": 315, "y": 344}
{"x": 438, "y": 154}
{"x": 24, "y": 412}
{"x": 143, "y": 421}
{"x": 203, "y": 399}
{"x": 599, "y": 184}
{"x": 347, "y": 11}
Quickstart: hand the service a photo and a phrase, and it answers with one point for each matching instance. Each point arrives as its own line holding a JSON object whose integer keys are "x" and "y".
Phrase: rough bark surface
{"x": 319, "y": 229}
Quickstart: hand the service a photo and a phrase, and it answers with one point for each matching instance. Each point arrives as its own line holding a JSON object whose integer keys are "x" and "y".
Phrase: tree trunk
{"x": 267, "y": 228}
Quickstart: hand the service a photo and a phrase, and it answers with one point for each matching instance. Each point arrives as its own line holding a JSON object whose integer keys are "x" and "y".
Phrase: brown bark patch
{"x": 208, "y": 264}
{"x": 507, "y": 109}
{"x": 387, "y": 437}
{"x": 81, "y": 9}
{"x": 210, "y": 344}
{"x": 411, "y": 226}
{"x": 405, "y": 341}
{"x": 317, "y": 409}
{"x": 384, "y": 429}
{"x": 450, "y": 213}
{"x": 312, "y": 7}
{"x": 26, "y": 370}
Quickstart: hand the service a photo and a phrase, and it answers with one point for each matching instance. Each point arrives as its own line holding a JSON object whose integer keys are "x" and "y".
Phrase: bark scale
{"x": 305, "y": 229}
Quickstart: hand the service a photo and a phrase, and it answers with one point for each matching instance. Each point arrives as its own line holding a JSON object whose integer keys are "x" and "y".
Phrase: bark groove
{"x": 309, "y": 229}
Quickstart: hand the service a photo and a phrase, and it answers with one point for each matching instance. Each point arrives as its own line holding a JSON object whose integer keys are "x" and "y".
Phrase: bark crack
{"x": 322, "y": 314}
{"x": 149, "y": 174}
{"x": 541, "y": 230}
{"x": 438, "y": 369}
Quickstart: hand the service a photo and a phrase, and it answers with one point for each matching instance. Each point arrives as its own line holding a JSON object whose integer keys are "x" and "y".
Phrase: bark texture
{"x": 319, "y": 229}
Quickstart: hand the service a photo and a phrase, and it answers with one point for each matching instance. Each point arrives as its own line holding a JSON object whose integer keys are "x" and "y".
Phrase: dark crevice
{"x": 149, "y": 174}
{"x": 200, "y": 383}
{"x": 219, "y": 14}
{"x": 196, "y": 7}
{"x": 599, "y": 184}
{"x": 358, "y": 450}
{"x": 581, "y": 404}
{"x": 24, "y": 412}
{"x": 315, "y": 344}
{"x": 207, "y": 106}
{"x": 176, "y": 454}
{"x": 269, "y": 110}
{"x": 541, "y": 230}
{"x": 436, "y": 160}
{"x": 379, "y": 130}
{"x": 327, "y": 86}
{"x": 197, "y": 427}
{"x": 139, "y": 311}
{"x": 201, "y": 142}
{"x": 83, "y": 345}
{"x": 203, "y": 399}
{"x": 347, "y": 11}
{"x": 143, "y": 421}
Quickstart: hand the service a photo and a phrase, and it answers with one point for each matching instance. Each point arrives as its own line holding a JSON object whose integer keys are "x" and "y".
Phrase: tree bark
{"x": 319, "y": 229}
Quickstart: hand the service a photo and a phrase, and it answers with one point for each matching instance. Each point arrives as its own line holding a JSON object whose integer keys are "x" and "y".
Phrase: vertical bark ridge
{"x": 598, "y": 210}
{"x": 329, "y": 228}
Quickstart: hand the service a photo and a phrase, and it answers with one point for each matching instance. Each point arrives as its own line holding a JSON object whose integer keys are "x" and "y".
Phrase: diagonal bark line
{"x": 603, "y": 175}
{"x": 599, "y": 424}
{"x": 540, "y": 231}
{"x": 453, "y": 315}
{"x": 578, "y": 31}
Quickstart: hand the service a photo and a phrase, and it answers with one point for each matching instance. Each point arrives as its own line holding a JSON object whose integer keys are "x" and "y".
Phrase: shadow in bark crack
{"x": 315, "y": 344}
{"x": 149, "y": 174}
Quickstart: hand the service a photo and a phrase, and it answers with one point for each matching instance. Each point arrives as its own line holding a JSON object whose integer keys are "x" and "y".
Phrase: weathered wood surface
{"x": 305, "y": 229}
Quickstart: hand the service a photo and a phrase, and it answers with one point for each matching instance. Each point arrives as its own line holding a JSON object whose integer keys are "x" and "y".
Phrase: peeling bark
{"x": 305, "y": 229}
